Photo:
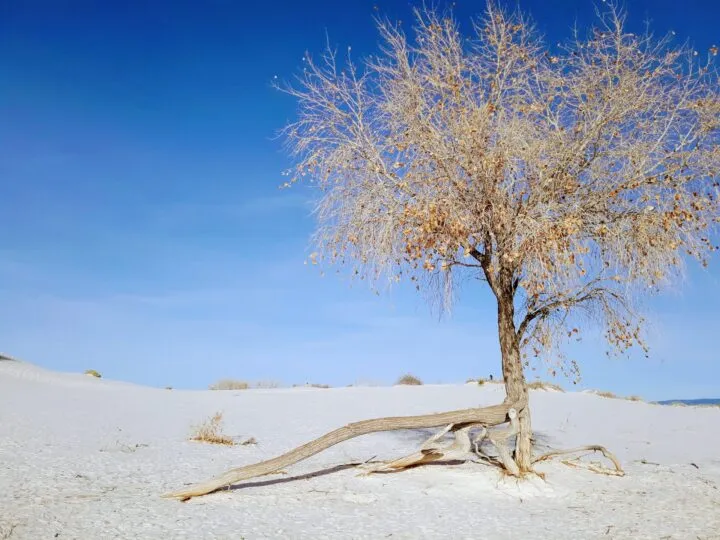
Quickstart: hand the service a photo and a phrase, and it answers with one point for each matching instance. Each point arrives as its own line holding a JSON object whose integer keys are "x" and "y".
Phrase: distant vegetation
{"x": 229, "y": 384}
{"x": 482, "y": 381}
{"x": 234, "y": 384}
{"x": 605, "y": 394}
{"x": 266, "y": 384}
{"x": 410, "y": 380}
{"x": 93, "y": 373}
{"x": 611, "y": 395}
{"x": 542, "y": 385}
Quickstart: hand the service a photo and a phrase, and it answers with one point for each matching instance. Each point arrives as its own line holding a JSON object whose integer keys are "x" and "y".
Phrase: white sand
{"x": 88, "y": 459}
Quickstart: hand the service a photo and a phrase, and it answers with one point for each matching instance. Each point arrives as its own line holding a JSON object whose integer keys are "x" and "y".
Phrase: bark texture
{"x": 512, "y": 368}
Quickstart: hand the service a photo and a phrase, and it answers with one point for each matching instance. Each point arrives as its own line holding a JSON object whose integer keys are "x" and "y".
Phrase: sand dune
{"x": 88, "y": 458}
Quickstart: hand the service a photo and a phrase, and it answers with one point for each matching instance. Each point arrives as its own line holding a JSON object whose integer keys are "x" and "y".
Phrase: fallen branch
{"x": 487, "y": 416}
{"x": 590, "y": 448}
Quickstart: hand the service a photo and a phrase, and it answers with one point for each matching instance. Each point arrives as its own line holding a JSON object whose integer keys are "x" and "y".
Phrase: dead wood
{"x": 590, "y": 448}
{"x": 486, "y": 416}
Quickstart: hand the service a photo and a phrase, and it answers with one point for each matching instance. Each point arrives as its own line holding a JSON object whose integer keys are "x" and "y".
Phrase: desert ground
{"x": 87, "y": 458}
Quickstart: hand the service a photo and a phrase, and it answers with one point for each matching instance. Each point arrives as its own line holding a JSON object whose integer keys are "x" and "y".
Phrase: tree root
{"x": 459, "y": 422}
{"x": 498, "y": 439}
{"x": 618, "y": 471}
{"x": 431, "y": 451}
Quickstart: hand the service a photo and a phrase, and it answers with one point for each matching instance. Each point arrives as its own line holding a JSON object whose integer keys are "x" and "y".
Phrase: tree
{"x": 566, "y": 178}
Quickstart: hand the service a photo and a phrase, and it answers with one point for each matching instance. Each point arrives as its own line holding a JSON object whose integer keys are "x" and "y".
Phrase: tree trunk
{"x": 512, "y": 368}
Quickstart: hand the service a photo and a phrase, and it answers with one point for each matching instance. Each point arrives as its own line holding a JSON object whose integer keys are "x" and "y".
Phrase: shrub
{"x": 210, "y": 431}
{"x": 605, "y": 394}
{"x": 634, "y": 398}
{"x": 409, "y": 379}
{"x": 229, "y": 384}
{"x": 93, "y": 373}
{"x": 542, "y": 385}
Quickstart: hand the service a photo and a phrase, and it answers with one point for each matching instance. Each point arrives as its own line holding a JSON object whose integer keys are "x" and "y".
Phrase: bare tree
{"x": 568, "y": 178}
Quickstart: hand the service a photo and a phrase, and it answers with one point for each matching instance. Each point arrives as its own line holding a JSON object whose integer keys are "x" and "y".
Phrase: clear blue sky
{"x": 142, "y": 233}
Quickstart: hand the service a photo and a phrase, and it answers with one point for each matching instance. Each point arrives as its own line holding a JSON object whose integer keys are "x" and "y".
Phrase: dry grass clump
{"x": 210, "y": 431}
{"x": 409, "y": 380}
{"x": 229, "y": 384}
{"x": 542, "y": 385}
{"x": 482, "y": 380}
{"x": 266, "y": 384}
{"x": 634, "y": 398}
{"x": 93, "y": 373}
{"x": 313, "y": 385}
{"x": 605, "y": 394}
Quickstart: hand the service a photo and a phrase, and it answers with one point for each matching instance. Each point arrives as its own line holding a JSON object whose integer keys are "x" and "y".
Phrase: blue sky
{"x": 142, "y": 232}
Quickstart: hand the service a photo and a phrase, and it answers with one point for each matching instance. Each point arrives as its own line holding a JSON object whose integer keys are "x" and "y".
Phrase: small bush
{"x": 93, "y": 373}
{"x": 210, "y": 431}
{"x": 409, "y": 379}
{"x": 542, "y": 385}
{"x": 604, "y": 394}
{"x": 634, "y": 398}
{"x": 229, "y": 384}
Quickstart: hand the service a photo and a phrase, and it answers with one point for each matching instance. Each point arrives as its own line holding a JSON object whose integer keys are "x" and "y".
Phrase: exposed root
{"x": 459, "y": 421}
{"x": 618, "y": 471}
{"x": 431, "y": 451}
{"x": 460, "y": 449}
{"x": 498, "y": 439}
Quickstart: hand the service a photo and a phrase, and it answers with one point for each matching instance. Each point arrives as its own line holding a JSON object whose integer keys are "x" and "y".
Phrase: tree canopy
{"x": 581, "y": 174}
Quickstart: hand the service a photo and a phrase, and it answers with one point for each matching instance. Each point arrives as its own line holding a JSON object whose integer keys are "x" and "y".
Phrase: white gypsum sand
{"x": 89, "y": 458}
